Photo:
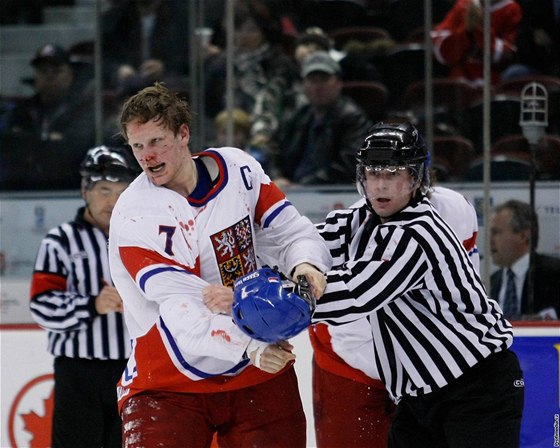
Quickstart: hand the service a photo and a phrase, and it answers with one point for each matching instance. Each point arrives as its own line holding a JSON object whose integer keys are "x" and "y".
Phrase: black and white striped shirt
{"x": 430, "y": 317}
{"x": 70, "y": 270}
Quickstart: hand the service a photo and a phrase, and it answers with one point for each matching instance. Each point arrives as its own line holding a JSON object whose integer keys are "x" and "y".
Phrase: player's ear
{"x": 184, "y": 133}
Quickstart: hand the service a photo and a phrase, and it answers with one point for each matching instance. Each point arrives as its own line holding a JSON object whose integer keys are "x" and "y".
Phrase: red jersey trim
{"x": 136, "y": 258}
{"x": 328, "y": 360}
{"x": 470, "y": 243}
{"x": 47, "y": 281}
{"x": 269, "y": 195}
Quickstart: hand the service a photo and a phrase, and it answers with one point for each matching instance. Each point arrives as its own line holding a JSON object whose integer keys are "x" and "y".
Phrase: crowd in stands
{"x": 374, "y": 53}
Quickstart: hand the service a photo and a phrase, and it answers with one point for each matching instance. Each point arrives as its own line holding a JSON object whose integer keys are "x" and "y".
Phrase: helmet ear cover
{"x": 269, "y": 308}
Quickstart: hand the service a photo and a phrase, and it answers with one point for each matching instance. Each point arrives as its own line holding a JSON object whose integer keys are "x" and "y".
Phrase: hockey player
{"x": 73, "y": 298}
{"x": 187, "y": 223}
{"x": 439, "y": 345}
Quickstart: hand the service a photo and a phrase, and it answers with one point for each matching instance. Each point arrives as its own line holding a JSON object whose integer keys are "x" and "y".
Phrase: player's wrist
{"x": 253, "y": 345}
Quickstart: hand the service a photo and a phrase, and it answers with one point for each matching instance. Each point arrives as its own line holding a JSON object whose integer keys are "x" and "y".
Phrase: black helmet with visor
{"x": 112, "y": 164}
{"x": 393, "y": 145}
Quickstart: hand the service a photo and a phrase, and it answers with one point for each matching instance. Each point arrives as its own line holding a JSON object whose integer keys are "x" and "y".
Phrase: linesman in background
{"x": 439, "y": 344}
{"x": 72, "y": 297}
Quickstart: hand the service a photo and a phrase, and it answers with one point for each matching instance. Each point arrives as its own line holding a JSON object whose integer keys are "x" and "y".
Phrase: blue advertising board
{"x": 539, "y": 355}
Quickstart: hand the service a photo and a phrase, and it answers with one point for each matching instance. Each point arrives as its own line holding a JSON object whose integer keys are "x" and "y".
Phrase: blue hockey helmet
{"x": 270, "y": 309}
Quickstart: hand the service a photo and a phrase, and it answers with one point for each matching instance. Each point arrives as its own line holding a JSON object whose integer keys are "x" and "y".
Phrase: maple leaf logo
{"x": 40, "y": 426}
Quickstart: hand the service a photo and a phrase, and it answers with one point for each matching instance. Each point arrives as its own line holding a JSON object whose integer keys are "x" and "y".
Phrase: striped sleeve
{"x": 62, "y": 264}
{"x": 70, "y": 271}
{"x": 383, "y": 273}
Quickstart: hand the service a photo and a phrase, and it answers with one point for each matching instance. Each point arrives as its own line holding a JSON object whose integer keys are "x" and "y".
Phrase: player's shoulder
{"x": 141, "y": 196}
{"x": 230, "y": 156}
{"x": 445, "y": 198}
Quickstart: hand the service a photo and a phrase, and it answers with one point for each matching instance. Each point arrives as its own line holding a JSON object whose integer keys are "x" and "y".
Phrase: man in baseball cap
{"x": 53, "y": 74}
{"x": 50, "y": 53}
{"x": 320, "y": 61}
{"x": 317, "y": 143}
{"x": 55, "y": 123}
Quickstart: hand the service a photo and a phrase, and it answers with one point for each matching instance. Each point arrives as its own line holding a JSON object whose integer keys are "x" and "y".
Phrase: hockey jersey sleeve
{"x": 159, "y": 255}
{"x": 382, "y": 273}
{"x": 284, "y": 237}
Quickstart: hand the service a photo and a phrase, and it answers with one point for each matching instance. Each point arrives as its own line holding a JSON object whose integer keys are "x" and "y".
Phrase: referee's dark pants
{"x": 481, "y": 409}
{"x": 85, "y": 403}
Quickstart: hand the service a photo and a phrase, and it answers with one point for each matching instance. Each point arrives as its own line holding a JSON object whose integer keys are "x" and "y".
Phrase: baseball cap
{"x": 320, "y": 61}
{"x": 51, "y": 52}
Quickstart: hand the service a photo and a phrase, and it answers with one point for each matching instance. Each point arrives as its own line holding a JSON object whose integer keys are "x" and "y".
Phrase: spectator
{"x": 354, "y": 60}
{"x": 459, "y": 39}
{"x": 260, "y": 63}
{"x": 54, "y": 125}
{"x": 241, "y": 134}
{"x": 187, "y": 226}
{"x": 72, "y": 297}
{"x": 145, "y": 38}
{"x": 510, "y": 245}
{"x": 311, "y": 40}
{"x": 270, "y": 105}
{"x": 317, "y": 144}
{"x": 438, "y": 343}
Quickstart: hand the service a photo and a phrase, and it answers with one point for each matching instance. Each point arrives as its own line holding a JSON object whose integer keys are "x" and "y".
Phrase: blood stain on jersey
{"x": 188, "y": 226}
{"x": 221, "y": 334}
{"x": 234, "y": 251}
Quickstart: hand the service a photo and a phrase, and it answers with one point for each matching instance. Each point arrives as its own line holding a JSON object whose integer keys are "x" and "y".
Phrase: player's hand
{"x": 108, "y": 301}
{"x": 317, "y": 280}
{"x": 273, "y": 358}
{"x": 218, "y": 299}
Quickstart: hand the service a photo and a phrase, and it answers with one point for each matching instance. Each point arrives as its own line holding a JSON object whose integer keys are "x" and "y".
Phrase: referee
{"x": 440, "y": 345}
{"x": 72, "y": 298}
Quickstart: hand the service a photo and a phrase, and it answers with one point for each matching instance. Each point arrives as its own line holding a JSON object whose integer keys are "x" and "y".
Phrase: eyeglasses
{"x": 106, "y": 192}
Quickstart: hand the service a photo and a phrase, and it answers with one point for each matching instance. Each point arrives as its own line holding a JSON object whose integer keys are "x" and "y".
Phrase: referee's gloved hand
{"x": 317, "y": 280}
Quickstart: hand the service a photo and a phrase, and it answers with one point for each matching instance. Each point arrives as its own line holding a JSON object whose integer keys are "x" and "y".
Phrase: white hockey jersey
{"x": 347, "y": 350}
{"x": 165, "y": 248}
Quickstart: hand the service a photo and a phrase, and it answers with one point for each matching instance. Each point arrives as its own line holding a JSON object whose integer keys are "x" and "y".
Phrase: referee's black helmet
{"x": 392, "y": 143}
{"x": 113, "y": 164}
